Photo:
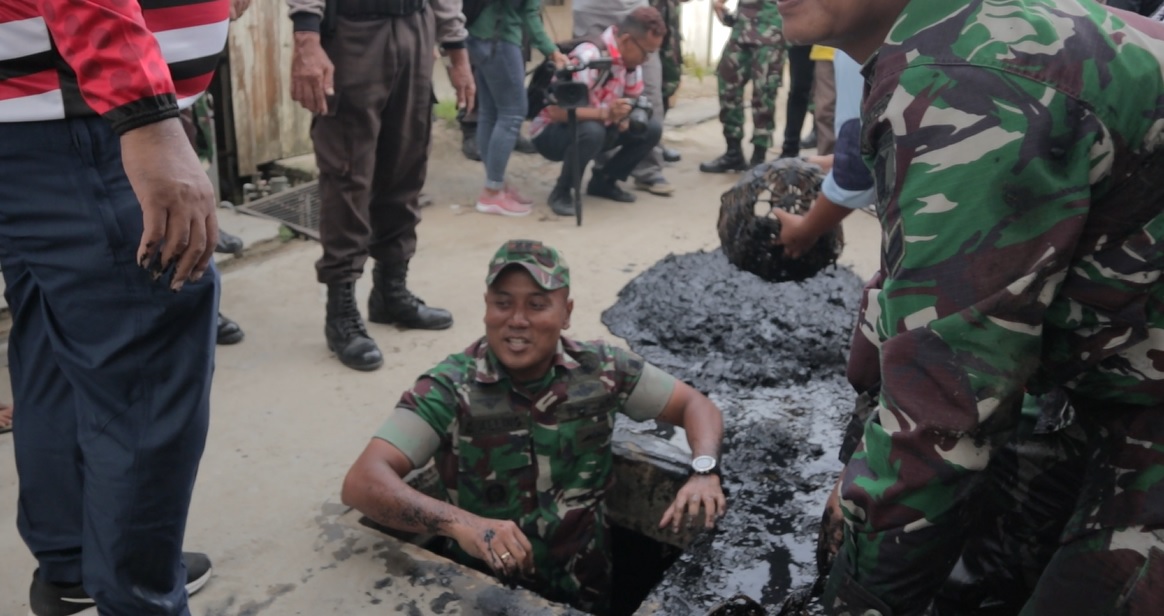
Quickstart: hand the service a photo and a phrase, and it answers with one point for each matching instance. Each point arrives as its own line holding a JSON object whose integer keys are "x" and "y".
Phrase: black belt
{"x": 379, "y": 9}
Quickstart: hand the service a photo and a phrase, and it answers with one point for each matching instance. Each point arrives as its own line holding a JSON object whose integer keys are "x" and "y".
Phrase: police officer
{"x": 1018, "y": 193}
{"x": 368, "y": 78}
{"x": 520, "y": 424}
{"x": 754, "y": 52}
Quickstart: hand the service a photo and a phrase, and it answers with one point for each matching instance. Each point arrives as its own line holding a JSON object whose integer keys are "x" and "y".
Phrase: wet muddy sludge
{"x": 772, "y": 356}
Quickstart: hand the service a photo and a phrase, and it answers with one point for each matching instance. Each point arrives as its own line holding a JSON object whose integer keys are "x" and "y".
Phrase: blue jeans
{"x": 500, "y": 73}
{"x": 110, "y": 370}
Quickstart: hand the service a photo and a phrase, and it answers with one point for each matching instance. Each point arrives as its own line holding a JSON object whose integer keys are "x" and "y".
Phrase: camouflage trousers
{"x": 762, "y": 65}
{"x": 1097, "y": 487}
{"x": 671, "y": 52}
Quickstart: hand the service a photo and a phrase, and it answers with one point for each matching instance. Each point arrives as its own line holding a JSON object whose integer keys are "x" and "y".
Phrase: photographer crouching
{"x": 615, "y": 116}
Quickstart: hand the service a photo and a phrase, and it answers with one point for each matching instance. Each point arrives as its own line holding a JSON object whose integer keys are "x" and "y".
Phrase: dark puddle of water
{"x": 772, "y": 356}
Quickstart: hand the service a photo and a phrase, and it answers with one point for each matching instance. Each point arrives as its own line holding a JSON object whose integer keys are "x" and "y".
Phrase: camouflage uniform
{"x": 1015, "y": 147}
{"x": 671, "y": 52}
{"x": 754, "y": 52}
{"x": 537, "y": 454}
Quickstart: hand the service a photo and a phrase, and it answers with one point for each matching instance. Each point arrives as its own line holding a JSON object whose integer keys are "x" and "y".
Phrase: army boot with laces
{"x": 346, "y": 335}
{"x": 392, "y": 303}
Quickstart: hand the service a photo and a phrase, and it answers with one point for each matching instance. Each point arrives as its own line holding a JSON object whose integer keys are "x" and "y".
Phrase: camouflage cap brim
{"x": 547, "y": 266}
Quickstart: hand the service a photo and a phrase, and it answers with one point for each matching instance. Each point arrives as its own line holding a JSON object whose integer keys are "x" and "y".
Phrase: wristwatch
{"x": 705, "y": 465}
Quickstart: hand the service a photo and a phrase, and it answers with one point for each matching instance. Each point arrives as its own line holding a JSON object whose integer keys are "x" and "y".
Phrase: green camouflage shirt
{"x": 535, "y": 453}
{"x": 757, "y": 22}
{"x": 1016, "y": 146}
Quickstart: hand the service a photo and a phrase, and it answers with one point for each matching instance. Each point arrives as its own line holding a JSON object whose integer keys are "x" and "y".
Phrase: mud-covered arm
{"x": 702, "y": 420}
{"x": 375, "y": 483}
{"x": 450, "y": 23}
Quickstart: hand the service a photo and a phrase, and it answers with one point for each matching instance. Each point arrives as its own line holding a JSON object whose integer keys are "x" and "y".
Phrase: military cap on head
{"x": 547, "y": 266}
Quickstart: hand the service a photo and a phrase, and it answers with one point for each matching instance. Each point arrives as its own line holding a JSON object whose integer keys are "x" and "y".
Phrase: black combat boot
{"x": 732, "y": 160}
{"x": 392, "y": 303}
{"x": 469, "y": 145}
{"x": 346, "y": 335}
{"x": 758, "y": 156}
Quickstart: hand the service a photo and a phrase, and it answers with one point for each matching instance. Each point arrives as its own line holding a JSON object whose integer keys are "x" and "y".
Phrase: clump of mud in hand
{"x": 772, "y": 356}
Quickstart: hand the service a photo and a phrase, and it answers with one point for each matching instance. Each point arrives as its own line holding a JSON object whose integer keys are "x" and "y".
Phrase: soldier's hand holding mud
{"x": 500, "y": 543}
{"x": 700, "y": 492}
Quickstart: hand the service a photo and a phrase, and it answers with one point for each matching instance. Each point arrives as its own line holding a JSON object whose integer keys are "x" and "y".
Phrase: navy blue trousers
{"x": 110, "y": 371}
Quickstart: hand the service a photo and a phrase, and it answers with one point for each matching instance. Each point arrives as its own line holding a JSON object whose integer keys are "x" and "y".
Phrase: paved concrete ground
{"x": 288, "y": 419}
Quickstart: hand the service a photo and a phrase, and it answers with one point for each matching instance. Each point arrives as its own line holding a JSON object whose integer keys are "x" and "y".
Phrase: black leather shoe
{"x": 524, "y": 145}
{"x": 345, "y": 332}
{"x": 228, "y": 331}
{"x": 606, "y": 188}
{"x": 562, "y": 201}
{"x": 809, "y": 142}
{"x": 671, "y": 155}
{"x": 392, "y": 303}
{"x": 732, "y": 160}
{"x": 469, "y": 147}
{"x": 45, "y": 599}
{"x": 758, "y": 156}
{"x": 228, "y": 244}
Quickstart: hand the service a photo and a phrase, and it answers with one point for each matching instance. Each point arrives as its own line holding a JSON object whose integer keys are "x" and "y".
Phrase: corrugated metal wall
{"x": 268, "y": 124}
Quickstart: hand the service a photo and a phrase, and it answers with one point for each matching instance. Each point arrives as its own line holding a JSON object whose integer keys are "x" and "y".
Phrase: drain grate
{"x": 297, "y": 207}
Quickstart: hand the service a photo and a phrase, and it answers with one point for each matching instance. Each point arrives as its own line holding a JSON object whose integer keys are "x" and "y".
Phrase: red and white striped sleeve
{"x": 129, "y": 65}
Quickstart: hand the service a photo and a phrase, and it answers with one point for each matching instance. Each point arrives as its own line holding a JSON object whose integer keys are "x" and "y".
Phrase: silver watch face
{"x": 703, "y": 464}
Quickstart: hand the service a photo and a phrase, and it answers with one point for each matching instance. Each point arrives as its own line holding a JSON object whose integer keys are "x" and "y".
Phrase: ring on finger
{"x": 505, "y": 556}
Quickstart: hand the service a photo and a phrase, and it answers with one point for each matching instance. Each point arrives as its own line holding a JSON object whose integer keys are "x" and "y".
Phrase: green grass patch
{"x": 696, "y": 69}
{"x": 446, "y": 110}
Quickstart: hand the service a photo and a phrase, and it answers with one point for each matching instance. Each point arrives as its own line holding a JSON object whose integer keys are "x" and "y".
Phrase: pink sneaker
{"x": 516, "y": 196}
{"x": 501, "y": 204}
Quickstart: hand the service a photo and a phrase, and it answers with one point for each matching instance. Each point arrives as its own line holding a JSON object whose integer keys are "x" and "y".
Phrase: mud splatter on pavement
{"x": 772, "y": 356}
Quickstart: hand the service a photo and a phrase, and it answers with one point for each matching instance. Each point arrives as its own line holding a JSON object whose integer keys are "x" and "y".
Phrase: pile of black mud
{"x": 772, "y": 356}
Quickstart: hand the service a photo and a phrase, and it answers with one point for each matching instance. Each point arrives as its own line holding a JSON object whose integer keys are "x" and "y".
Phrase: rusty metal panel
{"x": 268, "y": 125}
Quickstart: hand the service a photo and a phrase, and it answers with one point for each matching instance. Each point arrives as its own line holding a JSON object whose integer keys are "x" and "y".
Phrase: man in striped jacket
{"x": 107, "y": 228}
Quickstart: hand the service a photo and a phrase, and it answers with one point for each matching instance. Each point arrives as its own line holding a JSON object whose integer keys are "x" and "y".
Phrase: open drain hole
{"x": 639, "y": 563}
{"x": 648, "y": 472}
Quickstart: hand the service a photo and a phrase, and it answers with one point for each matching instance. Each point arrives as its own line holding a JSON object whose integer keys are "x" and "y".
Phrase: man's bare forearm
{"x": 386, "y": 498}
{"x": 704, "y": 426}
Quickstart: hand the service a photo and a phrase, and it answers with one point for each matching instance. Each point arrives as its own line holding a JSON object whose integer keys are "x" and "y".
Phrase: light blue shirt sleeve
{"x": 850, "y": 183}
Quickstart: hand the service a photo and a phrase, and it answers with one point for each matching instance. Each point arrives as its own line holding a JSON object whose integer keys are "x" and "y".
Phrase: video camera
{"x": 569, "y": 94}
{"x": 640, "y": 115}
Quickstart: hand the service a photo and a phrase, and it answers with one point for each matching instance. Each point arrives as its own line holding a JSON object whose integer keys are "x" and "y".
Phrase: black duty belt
{"x": 378, "y": 9}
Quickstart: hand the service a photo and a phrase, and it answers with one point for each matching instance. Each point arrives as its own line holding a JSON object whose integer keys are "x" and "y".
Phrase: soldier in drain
{"x": 520, "y": 425}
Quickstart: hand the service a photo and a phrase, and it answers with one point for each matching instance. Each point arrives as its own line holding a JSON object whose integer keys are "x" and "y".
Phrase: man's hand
{"x": 699, "y": 491}
{"x": 312, "y": 73}
{"x": 177, "y": 201}
{"x": 238, "y": 7}
{"x": 461, "y": 76}
{"x": 559, "y": 59}
{"x": 794, "y": 234}
{"x": 720, "y": 8}
{"x": 619, "y": 110}
{"x": 499, "y": 543}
